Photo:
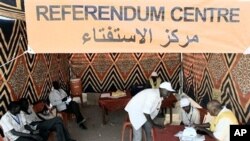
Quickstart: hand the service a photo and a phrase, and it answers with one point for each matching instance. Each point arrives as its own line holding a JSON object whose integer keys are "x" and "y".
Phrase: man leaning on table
{"x": 144, "y": 107}
{"x": 220, "y": 125}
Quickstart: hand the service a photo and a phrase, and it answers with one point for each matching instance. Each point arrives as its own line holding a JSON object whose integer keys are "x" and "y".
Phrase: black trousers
{"x": 54, "y": 124}
{"x": 74, "y": 108}
{"x": 25, "y": 139}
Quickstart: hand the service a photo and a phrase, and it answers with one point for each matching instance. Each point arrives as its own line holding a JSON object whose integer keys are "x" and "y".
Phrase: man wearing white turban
{"x": 189, "y": 114}
{"x": 154, "y": 81}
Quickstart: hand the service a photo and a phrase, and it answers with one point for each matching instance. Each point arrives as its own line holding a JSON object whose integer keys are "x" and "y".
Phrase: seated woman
{"x": 44, "y": 126}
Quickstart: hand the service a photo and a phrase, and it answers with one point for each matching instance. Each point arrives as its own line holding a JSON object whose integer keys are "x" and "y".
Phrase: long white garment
{"x": 190, "y": 118}
{"x": 32, "y": 116}
{"x": 147, "y": 101}
{"x": 9, "y": 122}
{"x": 55, "y": 98}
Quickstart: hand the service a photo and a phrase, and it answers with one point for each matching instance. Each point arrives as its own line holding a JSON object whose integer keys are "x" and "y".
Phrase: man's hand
{"x": 199, "y": 128}
{"x": 197, "y": 125}
{"x": 204, "y": 125}
{"x": 35, "y": 132}
{"x": 68, "y": 100}
{"x": 65, "y": 99}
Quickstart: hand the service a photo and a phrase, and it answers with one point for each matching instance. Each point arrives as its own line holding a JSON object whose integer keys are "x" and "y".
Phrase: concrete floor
{"x": 96, "y": 130}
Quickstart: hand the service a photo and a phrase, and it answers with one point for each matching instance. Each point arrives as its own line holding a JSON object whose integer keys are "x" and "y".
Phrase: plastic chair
{"x": 65, "y": 117}
{"x": 127, "y": 124}
{"x": 1, "y": 138}
{"x": 76, "y": 89}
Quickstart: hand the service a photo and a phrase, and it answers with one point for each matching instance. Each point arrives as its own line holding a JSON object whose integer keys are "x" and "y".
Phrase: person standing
{"x": 144, "y": 107}
{"x": 154, "y": 81}
{"x": 58, "y": 98}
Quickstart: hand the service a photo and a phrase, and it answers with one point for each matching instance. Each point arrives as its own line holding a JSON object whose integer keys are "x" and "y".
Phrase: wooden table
{"x": 112, "y": 104}
{"x": 167, "y": 134}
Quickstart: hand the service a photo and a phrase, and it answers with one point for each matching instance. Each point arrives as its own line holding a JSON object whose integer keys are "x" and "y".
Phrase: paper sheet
{"x": 103, "y": 95}
{"x": 197, "y": 138}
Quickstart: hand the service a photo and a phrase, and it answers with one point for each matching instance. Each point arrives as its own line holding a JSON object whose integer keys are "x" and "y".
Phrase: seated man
{"x": 220, "y": 125}
{"x": 58, "y": 97}
{"x": 154, "y": 81}
{"x": 189, "y": 114}
{"x": 44, "y": 126}
{"x": 15, "y": 127}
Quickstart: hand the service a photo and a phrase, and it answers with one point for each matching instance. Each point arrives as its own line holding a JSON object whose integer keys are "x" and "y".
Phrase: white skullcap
{"x": 166, "y": 85}
{"x": 184, "y": 102}
{"x": 154, "y": 74}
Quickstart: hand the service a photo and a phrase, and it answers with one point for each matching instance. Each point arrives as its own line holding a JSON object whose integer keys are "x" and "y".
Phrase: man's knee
{"x": 74, "y": 104}
{"x": 58, "y": 119}
{"x": 137, "y": 134}
{"x": 58, "y": 127}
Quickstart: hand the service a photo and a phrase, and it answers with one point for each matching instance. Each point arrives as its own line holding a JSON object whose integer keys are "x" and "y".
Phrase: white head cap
{"x": 154, "y": 74}
{"x": 184, "y": 102}
{"x": 166, "y": 85}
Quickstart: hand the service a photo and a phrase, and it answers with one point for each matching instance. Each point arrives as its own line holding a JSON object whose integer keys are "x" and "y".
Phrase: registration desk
{"x": 168, "y": 133}
{"x": 109, "y": 104}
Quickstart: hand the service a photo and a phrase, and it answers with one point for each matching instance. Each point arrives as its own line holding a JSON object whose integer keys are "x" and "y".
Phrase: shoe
{"x": 83, "y": 126}
{"x": 83, "y": 120}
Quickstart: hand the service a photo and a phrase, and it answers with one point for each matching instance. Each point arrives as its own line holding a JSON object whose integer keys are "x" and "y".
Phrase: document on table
{"x": 103, "y": 95}
{"x": 198, "y": 137}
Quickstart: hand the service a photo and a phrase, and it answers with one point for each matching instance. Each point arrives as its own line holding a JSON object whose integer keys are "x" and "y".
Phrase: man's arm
{"x": 148, "y": 117}
{"x": 204, "y": 125}
{"x": 210, "y": 133}
{"x": 196, "y": 116}
{"x": 21, "y": 134}
{"x": 55, "y": 99}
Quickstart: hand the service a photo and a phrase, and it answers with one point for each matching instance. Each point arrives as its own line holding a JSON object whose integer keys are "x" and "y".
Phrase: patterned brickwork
{"x": 217, "y": 68}
{"x": 12, "y": 8}
{"x": 28, "y": 75}
{"x": 112, "y": 71}
{"x": 241, "y": 74}
{"x": 227, "y": 73}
